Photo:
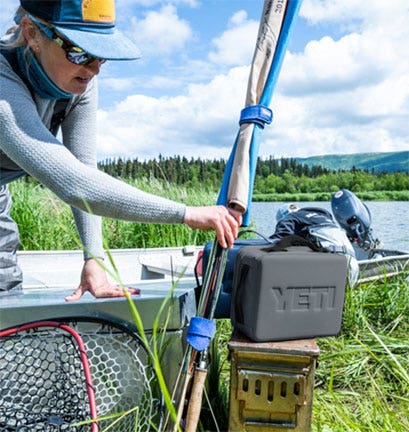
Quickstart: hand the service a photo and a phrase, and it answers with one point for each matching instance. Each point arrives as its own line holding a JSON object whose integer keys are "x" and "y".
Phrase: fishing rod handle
{"x": 180, "y": 403}
{"x": 195, "y": 402}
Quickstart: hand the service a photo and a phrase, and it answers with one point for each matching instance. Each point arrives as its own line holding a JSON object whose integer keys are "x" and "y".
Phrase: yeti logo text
{"x": 304, "y": 298}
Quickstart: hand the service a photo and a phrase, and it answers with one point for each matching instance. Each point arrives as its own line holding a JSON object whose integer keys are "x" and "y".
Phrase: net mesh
{"x": 123, "y": 378}
{"x": 42, "y": 384}
{"x": 43, "y": 389}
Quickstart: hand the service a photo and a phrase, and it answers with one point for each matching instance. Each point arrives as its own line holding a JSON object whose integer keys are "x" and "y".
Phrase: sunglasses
{"x": 73, "y": 54}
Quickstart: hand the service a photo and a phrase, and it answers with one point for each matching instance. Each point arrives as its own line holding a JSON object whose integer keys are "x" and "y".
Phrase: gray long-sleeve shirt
{"x": 69, "y": 168}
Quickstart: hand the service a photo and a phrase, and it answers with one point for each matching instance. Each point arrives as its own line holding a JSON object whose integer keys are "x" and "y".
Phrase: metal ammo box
{"x": 291, "y": 294}
{"x": 271, "y": 385}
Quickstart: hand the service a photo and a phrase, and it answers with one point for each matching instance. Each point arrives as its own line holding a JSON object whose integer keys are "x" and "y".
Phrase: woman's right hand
{"x": 224, "y": 221}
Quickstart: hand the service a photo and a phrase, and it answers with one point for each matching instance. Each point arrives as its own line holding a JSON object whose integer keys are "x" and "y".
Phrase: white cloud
{"x": 161, "y": 32}
{"x": 352, "y": 94}
{"x": 339, "y": 94}
{"x": 330, "y": 66}
{"x": 201, "y": 123}
{"x": 117, "y": 84}
{"x": 236, "y": 45}
{"x": 336, "y": 11}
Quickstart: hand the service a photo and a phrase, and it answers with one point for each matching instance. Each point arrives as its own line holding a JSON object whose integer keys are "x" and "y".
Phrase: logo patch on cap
{"x": 98, "y": 11}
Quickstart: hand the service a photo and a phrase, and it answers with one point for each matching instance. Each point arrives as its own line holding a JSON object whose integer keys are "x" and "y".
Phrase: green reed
{"x": 362, "y": 382}
{"x": 155, "y": 346}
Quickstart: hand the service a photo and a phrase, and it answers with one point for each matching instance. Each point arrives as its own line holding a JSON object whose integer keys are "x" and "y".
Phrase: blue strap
{"x": 258, "y": 114}
{"x": 200, "y": 332}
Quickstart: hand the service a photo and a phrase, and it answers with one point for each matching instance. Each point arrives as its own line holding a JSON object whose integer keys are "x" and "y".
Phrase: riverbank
{"x": 362, "y": 382}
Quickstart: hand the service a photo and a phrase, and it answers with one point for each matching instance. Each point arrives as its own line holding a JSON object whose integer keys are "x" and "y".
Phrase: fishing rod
{"x": 236, "y": 191}
{"x": 198, "y": 337}
{"x": 201, "y": 368}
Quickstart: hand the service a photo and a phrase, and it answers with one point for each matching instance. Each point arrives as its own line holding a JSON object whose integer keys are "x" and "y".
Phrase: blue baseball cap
{"x": 88, "y": 24}
{"x": 283, "y": 211}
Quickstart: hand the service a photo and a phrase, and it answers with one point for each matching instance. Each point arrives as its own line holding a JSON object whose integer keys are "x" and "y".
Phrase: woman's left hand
{"x": 94, "y": 279}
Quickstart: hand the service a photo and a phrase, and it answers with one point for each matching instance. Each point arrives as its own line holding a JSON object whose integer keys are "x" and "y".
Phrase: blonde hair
{"x": 14, "y": 36}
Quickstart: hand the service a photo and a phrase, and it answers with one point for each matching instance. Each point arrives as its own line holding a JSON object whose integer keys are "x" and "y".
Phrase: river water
{"x": 390, "y": 220}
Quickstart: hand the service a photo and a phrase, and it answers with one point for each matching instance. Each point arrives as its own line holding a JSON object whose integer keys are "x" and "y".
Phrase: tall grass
{"x": 362, "y": 380}
{"x": 46, "y": 223}
{"x": 326, "y": 196}
{"x": 362, "y": 383}
{"x": 154, "y": 345}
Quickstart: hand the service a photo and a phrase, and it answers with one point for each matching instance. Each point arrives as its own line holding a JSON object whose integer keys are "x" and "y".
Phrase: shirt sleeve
{"x": 27, "y": 142}
{"x": 79, "y": 133}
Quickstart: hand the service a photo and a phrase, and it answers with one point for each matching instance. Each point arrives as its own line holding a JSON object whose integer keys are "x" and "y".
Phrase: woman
{"x": 54, "y": 54}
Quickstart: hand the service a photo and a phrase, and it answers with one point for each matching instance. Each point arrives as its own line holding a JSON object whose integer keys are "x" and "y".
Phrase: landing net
{"x": 43, "y": 385}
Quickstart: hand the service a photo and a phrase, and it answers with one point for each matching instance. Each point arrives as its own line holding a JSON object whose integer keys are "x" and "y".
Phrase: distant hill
{"x": 379, "y": 162}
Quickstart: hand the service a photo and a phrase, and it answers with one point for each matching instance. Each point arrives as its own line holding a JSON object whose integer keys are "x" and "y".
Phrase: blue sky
{"x": 343, "y": 87}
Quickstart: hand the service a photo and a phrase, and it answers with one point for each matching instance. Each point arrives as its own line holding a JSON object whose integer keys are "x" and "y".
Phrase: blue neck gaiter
{"x": 36, "y": 76}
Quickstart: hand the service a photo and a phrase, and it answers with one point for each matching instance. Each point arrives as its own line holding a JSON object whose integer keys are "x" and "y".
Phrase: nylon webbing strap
{"x": 296, "y": 240}
{"x": 258, "y": 114}
{"x": 293, "y": 240}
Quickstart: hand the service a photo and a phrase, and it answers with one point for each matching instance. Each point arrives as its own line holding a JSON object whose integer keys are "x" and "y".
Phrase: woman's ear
{"x": 31, "y": 33}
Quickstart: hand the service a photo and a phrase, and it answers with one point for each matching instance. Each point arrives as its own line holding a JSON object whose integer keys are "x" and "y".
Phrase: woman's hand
{"x": 94, "y": 279}
{"x": 226, "y": 222}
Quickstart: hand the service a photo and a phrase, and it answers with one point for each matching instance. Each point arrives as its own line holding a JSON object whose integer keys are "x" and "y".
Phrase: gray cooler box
{"x": 223, "y": 305}
{"x": 292, "y": 294}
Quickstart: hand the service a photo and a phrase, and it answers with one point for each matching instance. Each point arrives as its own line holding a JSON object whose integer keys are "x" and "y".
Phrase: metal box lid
{"x": 38, "y": 304}
{"x": 50, "y": 276}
